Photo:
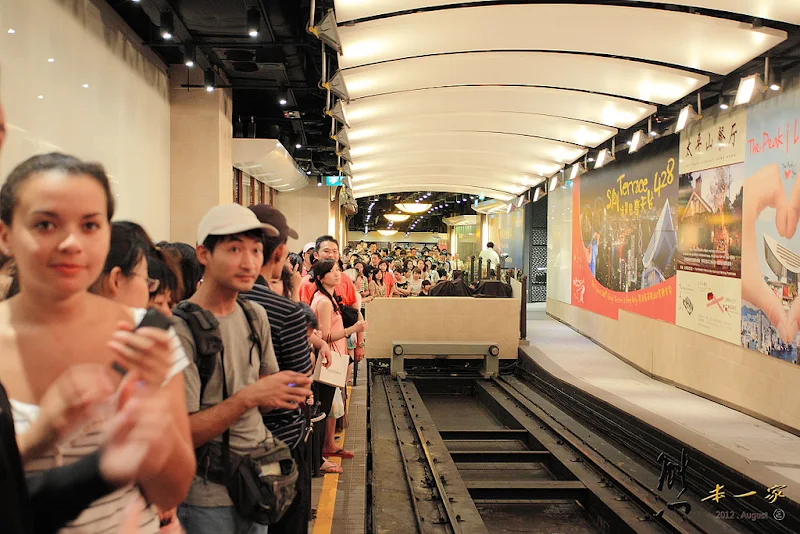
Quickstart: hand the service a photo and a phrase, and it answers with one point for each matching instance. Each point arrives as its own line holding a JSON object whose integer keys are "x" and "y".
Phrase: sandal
{"x": 330, "y": 468}
{"x": 341, "y": 453}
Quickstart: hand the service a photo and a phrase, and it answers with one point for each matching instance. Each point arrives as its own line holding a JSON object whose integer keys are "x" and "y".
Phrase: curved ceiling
{"x": 778, "y": 10}
{"x": 493, "y": 98}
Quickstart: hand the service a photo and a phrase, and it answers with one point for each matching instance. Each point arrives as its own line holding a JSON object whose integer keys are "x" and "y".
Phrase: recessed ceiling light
{"x": 298, "y": 145}
{"x": 85, "y": 86}
{"x": 775, "y": 87}
{"x": 51, "y": 60}
{"x": 11, "y": 30}
{"x": 40, "y": 97}
{"x": 282, "y": 101}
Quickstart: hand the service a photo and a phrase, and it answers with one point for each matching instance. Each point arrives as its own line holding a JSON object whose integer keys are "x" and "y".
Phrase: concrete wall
{"x": 442, "y": 319}
{"x": 307, "y": 211}
{"x": 122, "y": 117}
{"x": 756, "y": 384}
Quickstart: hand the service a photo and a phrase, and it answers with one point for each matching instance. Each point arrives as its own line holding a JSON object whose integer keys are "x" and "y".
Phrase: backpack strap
{"x": 208, "y": 342}
{"x": 253, "y": 322}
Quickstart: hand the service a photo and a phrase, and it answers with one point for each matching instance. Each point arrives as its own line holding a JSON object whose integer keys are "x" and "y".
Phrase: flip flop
{"x": 341, "y": 453}
{"x": 331, "y": 469}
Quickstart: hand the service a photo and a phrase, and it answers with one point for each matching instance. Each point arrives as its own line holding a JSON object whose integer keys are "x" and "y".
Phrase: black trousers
{"x": 296, "y": 518}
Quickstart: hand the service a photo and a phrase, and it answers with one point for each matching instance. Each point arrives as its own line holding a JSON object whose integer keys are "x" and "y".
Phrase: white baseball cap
{"x": 229, "y": 219}
{"x": 309, "y": 246}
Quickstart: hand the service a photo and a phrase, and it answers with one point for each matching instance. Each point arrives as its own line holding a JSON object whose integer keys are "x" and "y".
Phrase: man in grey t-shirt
{"x": 230, "y": 248}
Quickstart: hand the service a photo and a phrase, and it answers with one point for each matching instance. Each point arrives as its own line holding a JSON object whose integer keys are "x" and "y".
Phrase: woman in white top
{"x": 415, "y": 284}
{"x": 55, "y": 213}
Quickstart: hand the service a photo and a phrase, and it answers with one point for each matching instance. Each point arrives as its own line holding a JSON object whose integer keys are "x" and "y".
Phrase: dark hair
{"x": 296, "y": 260}
{"x": 190, "y": 268}
{"x": 164, "y": 265}
{"x": 271, "y": 243}
{"x": 489, "y": 245}
{"x": 321, "y": 239}
{"x": 318, "y": 272}
{"x": 376, "y": 271}
{"x": 212, "y": 241}
{"x": 70, "y": 165}
{"x": 426, "y": 283}
{"x": 128, "y": 247}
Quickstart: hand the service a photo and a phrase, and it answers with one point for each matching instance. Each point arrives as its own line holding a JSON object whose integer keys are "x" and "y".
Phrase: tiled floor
{"x": 713, "y": 428}
{"x": 350, "y": 508}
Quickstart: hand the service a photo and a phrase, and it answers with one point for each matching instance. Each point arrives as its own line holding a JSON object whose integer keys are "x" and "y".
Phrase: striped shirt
{"x": 290, "y": 339}
{"x": 103, "y": 516}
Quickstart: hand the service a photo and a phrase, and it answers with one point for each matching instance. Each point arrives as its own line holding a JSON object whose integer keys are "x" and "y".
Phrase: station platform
{"x": 765, "y": 453}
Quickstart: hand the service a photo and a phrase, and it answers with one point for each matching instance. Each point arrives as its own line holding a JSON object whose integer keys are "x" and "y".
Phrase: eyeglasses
{"x": 152, "y": 283}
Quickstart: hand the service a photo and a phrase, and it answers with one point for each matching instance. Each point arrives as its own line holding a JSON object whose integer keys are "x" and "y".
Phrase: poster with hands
{"x": 770, "y": 237}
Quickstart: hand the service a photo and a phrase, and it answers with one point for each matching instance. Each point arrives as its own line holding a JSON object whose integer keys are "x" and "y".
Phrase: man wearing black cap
{"x": 290, "y": 340}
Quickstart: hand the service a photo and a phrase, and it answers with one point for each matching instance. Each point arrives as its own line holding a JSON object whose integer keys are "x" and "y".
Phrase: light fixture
{"x": 576, "y": 171}
{"x": 653, "y": 133}
{"x": 338, "y": 113}
{"x": 397, "y": 217}
{"x": 749, "y": 87}
{"x": 298, "y": 145}
{"x": 282, "y": 101}
{"x": 253, "y": 21}
{"x": 209, "y": 80}
{"x": 40, "y": 97}
{"x": 189, "y": 54}
{"x": 328, "y": 32}
{"x": 723, "y": 105}
{"x": 553, "y": 183}
{"x": 775, "y": 87}
{"x": 387, "y": 232}
{"x": 85, "y": 86}
{"x": 538, "y": 194}
{"x": 686, "y": 116}
{"x": 319, "y": 181}
{"x": 166, "y": 25}
{"x": 11, "y": 30}
{"x": 283, "y": 96}
{"x": 638, "y": 140}
{"x": 51, "y": 60}
{"x": 603, "y": 157}
{"x": 308, "y": 173}
{"x": 337, "y": 86}
{"x": 413, "y": 207}
{"x": 346, "y": 170}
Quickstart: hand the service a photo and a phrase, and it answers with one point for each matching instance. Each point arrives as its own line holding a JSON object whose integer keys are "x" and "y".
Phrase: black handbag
{"x": 349, "y": 316}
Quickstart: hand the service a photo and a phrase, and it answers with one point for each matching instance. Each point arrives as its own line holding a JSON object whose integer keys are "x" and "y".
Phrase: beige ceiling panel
{"x": 611, "y": 76}
{"x": 529, "y": 147}
{"x": 527, "y": 124}
{"x": 462, "y": 184}
{"x": 600, "y": 109}
{"x": 705, "y": 43}
{"x": 525, "y": 167}
{"x": 780, "y": 10}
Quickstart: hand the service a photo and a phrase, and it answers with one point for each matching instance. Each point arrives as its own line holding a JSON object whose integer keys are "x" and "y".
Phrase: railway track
{"x": 468, "y": 455}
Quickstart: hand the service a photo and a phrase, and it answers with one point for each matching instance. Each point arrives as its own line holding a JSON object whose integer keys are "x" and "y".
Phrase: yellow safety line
{"x": 327, "y": 497}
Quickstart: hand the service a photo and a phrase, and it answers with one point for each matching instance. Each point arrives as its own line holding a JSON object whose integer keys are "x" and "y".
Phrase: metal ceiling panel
{"x": 706, "y": 43}
{"x": 611, "y": 76}
{"x": 779, "y": 10}
{"x": 525, "y": 167}
{"x": 527, "y": 124}
{"x": 500, "y": 143}
{"x": 600, "y": 109}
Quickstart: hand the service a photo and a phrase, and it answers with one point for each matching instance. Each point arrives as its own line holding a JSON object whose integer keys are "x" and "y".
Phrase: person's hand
{"x": 132, "y": 516}
{"x": 136, "y": 448}
{"x": 297, "y": 277}
{"x": 325, "y": 355}
{"x": 360, "y": 326}
{"x": 68, "y": 404}
{"x": 358, "y": 354}
{"x": 285, "y": 389}
{"x": 146, "y": 351}
{"x": 762, "y": 190}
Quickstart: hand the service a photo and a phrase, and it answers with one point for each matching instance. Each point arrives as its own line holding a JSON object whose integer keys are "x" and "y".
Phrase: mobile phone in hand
{"x": 154, "y": 319}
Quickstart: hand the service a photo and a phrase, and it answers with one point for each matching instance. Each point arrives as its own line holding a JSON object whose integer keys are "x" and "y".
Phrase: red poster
{"x": 624, "y": 235}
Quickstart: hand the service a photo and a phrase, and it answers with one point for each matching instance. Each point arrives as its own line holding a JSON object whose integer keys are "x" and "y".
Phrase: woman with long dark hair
{"x": 327, "y": 275}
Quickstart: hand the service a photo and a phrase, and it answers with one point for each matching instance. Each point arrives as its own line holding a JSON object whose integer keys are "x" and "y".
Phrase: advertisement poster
{"x": 713, "y": 142}
{"x": 710, "y": 221}
{"x": 709, "y": 305}
{"x": 624, "y": 237}
{"x": 770, "y": 240}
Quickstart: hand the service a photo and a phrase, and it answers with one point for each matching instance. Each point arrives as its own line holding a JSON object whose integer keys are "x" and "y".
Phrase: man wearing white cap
{"x": 230, "y": 247}
{"x": 308, "y": 257}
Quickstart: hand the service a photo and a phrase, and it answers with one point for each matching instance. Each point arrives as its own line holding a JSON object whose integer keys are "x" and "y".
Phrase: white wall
{"x": 121, "y": 120}
{"x": 559, "y": 244}
{"x": 307, "y": 211}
